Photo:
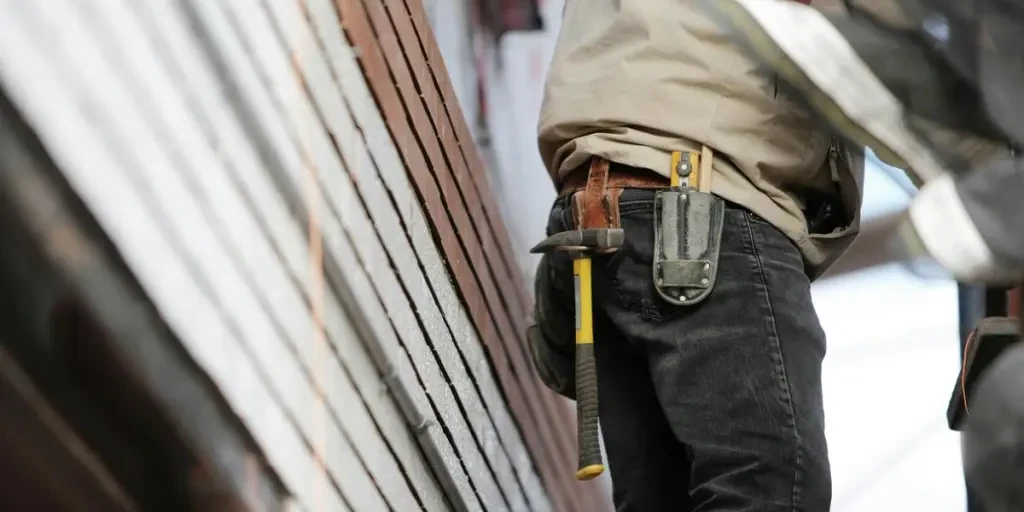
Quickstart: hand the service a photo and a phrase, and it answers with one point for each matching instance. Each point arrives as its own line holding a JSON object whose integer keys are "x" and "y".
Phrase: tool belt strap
{"x": 692, "y": 168}
{"x": 624, "y": 176}
{"x": 596, "y": 187}
{"x": 597, "y": 205}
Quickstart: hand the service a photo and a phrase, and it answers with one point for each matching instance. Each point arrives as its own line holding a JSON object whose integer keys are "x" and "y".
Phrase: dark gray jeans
{"x": 717, "y": 406}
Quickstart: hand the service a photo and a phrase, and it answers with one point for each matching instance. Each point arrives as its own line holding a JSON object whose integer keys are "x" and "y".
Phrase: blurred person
{"x": 971, "y": 226}
{"x": 993, "y": 435}
{"x": 910, "y": 80}
{"x": 712, "y": 400}
{"x": 916, "y": 81}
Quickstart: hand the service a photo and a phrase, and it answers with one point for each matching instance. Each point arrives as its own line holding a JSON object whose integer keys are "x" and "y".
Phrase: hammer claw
{"x": 582, "y": 240}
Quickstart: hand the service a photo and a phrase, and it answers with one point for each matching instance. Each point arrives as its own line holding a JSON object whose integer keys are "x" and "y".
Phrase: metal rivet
{"x": 704, "y": 281}
{"x": 707, "y": 266}
{"x": 683, "y": 168}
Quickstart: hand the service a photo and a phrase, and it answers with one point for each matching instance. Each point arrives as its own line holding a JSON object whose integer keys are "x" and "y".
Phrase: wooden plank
{"x": 239, "y": 298}
{"x": 376, "y": 70}
{"x": 384, "y": 160}
{"x": 471, "y": 156}
{"x": 388, "y": 163}
{"x": 341, "y": 196}
{"x": 290, "y": 244}
{"x": 417, "y": 286}
{"x": 414, "y": 42}
{"x": 155, "y": 167}
{"x": 467, "y": 145}
{"x": 377, "y": 318}
{"x": 1015, "y": 302}
{"x": 284, "y": 327}
{"x": 442, "y": 128}
{"x": 537, "y": 400}
{"x": 315, "y": 145}
{"x": 285, "y": 301}
{"x": 436, "y": 158}
{"x": 76, "y": 142}
{"x": 355, "y": 359}
{"x": 335, "y": 113}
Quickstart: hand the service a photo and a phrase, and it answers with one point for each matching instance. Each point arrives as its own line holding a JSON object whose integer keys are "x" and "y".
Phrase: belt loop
{"x": 694, "y": 166}
{"x": 704, "y": 179}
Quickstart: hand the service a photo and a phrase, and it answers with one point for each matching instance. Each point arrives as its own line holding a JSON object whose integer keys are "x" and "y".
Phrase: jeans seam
{"x": 780, "y": 364}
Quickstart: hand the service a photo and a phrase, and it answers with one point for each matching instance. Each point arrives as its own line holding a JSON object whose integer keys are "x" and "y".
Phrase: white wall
{"x": 515, "y": 77}
{"x": 452, "y": 21}
{"x": 891, "y": 365}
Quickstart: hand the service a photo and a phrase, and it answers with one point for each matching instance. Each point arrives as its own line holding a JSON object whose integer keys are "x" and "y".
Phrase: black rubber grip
{"x": 588, "y": 435}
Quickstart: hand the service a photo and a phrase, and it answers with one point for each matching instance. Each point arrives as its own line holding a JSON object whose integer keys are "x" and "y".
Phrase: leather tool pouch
{"x": 687, "y": 242}
{"x": 550, "y": 334}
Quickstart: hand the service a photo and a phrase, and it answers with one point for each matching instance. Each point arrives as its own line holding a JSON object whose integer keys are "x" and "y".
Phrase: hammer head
{"x": 582, "y": 240}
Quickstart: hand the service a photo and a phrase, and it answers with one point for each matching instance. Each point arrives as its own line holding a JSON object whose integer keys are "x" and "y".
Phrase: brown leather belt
{"x": 596, "y": 186}
{"x": 619, "y": 176}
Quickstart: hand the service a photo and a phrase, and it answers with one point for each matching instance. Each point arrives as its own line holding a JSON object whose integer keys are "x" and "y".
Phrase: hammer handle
{"x": 588, "y": 436}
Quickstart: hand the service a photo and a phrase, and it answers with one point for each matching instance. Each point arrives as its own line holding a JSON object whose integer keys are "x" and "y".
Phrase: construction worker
{"x": 708, "y": 347}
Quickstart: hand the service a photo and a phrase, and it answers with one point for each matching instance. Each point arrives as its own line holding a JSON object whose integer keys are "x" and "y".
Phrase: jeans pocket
{"x": 631, "y": 267}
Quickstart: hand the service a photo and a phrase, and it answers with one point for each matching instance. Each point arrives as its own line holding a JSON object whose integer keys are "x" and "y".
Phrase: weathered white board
{"x": 207, "y": 138}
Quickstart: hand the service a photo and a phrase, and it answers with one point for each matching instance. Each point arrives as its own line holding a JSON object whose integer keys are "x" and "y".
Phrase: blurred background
{"x": 893, "y": 351}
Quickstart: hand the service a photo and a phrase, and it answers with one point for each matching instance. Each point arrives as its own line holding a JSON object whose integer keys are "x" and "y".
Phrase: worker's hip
{"x": 625, "y": 279}
{"x": 748, "y": 247}
{"x": 736, "y": 377}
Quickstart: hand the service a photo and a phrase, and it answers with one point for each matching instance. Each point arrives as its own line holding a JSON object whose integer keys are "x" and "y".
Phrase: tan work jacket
{"x": 634, "y": 80}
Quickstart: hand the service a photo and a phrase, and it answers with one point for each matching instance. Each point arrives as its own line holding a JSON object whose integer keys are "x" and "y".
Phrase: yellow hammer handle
{"x": 590, "y": 462}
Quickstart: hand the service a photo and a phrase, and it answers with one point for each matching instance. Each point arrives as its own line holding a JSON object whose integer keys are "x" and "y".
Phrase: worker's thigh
{"x": 737, "y": 377}
{"x": 649, "y": 467}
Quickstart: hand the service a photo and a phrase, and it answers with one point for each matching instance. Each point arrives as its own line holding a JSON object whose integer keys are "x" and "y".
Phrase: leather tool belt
{"x": 688, "y": 219}
{"x": 619, "y": 177}
{"x": 595, "y": 189}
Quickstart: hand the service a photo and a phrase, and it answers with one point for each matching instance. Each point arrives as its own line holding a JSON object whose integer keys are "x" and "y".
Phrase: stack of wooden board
{"x": 293, "y": 186}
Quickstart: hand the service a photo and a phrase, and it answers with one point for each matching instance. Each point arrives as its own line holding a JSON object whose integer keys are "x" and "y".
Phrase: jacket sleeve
{"x": 973, "y": 225}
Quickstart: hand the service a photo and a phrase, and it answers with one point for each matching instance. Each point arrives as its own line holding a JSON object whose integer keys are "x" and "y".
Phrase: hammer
{"x": 583, "y": 243}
